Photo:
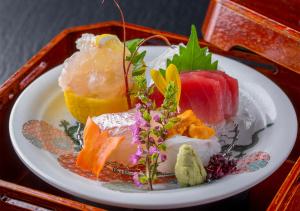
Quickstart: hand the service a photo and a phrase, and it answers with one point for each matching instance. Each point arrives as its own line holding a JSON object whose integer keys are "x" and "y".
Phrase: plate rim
{"x": 113, "y": 202}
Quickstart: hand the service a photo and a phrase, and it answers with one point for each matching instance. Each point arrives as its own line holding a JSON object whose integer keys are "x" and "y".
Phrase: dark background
{"x": 27, "y": 25}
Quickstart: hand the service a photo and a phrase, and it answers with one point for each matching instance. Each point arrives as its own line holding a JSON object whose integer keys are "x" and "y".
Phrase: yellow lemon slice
{"x": 82, "y": 107}
{"x": 108, "y": 40}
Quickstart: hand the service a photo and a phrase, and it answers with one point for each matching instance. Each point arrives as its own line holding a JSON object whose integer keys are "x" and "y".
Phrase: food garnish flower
{"x": 151, "y": 127}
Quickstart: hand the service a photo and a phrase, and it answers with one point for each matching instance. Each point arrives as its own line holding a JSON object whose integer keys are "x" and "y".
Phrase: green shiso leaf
{"x": 193, "y": 57}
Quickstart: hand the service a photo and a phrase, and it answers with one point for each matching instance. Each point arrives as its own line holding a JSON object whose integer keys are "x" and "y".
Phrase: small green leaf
{"x": 174, "y": 120}
{"x": 151, "y": 90}
{"x": 163, "y": 72}
{"x": 138, "y": 58}
{"x": 147, "y": 116}
{"x": 154, "y": 157}
{"x": 169, "y": 102}
{"x": 138, "y": 69}
{"x": 169, "y": 125}
{"x": 156, "y": 132}
{"x": 143, "y": 179}
{"x": 142, "y": 161}
{"x": 140, "y": 82}
{"x": 132, "y": 44}
{"x": 162, "y": 147}
{"x": 143, "y": 134}
{"x": 143, "y": 98}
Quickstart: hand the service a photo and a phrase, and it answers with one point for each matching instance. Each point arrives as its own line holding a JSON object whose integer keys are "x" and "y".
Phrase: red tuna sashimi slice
{"x": 203, "y": 95}
{"x": 226, "y": 93}
{"x": 158, "y": 98}
{"x": 234, "y": 89}
{"x": 192, "y": 90}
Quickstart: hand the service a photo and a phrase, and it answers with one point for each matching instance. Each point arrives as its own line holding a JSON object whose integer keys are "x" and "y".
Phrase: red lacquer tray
{"x": 270, "y": 28}
{"x": 19, "y": 187}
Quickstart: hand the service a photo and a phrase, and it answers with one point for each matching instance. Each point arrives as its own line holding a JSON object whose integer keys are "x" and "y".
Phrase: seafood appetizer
{"x": 165, "y": 125}
{"x": 175, "y": 120}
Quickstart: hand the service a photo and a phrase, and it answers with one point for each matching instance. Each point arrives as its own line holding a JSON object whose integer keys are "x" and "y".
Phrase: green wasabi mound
{"x": 189, "y": 169}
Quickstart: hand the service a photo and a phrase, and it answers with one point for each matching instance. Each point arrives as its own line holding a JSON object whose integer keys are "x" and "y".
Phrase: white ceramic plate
{"x": 43, "y": 100}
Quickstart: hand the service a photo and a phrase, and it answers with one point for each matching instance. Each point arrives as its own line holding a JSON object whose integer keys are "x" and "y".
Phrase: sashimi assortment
{"x": 169, "y": 127}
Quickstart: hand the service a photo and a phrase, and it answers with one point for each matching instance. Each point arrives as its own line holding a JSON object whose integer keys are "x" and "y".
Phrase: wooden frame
{"x": 250, "y": 24}
{"x": 14, "y": 175}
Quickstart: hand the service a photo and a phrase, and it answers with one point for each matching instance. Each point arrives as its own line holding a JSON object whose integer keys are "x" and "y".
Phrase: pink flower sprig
{"x": 150, "y": 131}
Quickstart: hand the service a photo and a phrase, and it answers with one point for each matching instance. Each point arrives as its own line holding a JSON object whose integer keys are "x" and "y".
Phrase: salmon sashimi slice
{"x": 98, "y": 146}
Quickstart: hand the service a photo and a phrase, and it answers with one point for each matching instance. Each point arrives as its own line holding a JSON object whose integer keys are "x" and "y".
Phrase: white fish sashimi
{"x": 205, "y": 148}
{"x": 118, "y": 124}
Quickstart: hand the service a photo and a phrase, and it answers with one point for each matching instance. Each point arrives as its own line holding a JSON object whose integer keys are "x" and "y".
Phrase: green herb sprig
{"x": 150, "y": 139}
{"x": 136, "y": 58}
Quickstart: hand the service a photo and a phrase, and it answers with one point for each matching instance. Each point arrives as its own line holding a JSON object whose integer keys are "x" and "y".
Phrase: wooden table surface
{"x": 27, "y": 25}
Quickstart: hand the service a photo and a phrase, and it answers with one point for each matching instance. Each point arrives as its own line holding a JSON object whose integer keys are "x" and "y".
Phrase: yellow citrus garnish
{"x": 109, "y": 41}
{"x": 82, "y": 107}
{"x": 161, "y": 83}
